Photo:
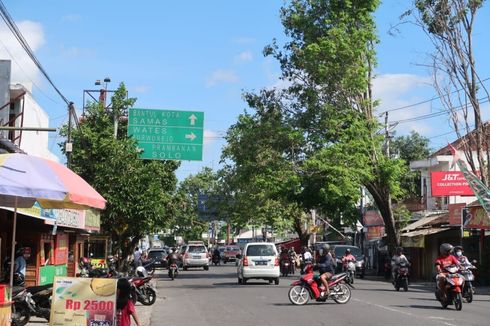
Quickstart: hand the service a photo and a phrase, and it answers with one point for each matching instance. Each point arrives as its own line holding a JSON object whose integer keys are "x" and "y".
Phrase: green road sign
{"x": 167, "y": 134}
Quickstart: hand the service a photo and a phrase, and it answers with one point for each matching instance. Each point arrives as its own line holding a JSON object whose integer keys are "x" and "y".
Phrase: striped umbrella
{"x": 25, "y": 179}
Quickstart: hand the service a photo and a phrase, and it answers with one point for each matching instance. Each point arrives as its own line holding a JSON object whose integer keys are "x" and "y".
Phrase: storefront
{"x": 56, "y": 237}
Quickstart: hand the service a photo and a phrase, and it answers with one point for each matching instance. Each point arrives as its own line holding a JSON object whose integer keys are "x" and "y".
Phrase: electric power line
{"x": 429, "y": 100}
{"x": 18, "y": 35}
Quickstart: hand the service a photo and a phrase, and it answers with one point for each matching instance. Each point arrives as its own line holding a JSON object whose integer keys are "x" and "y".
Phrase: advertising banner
{"x": 375, "y": 232}
{"x": 373, "y": 218}
{"x": 79, "y": 301}
{"x": 455, "y": 213}
{"x": 477, "y": 219}
{"x": 61, "y": 249}
{"x": 47, "y": 273}
{"x": 449, "y": 183}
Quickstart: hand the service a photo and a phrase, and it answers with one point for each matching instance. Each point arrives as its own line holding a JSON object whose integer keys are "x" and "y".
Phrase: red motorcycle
{"x": 310, "y": 286}
{"x": 454, "y": 285}
{"x": 143, "y": 290}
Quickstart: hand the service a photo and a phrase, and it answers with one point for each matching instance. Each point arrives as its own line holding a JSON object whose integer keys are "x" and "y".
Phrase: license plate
{"x": 261, "y": 263}
{"x": 196, "y": 257}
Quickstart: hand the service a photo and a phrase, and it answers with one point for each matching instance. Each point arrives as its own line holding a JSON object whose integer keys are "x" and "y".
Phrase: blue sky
{"x": 200, "y": 56}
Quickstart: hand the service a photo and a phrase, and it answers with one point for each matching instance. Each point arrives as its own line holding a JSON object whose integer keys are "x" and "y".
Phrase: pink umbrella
{"x": 26, "y": 179}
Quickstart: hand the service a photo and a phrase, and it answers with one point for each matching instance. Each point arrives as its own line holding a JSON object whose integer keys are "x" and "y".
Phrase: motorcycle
{"x": 173, "y": 271}
{"x": 454, "y": 283}
{"x": 216, "y": 260}
{"x": 310, "y": 286}
{"x": 31, "y": 301}
{"x": 468, "y": 290}
{"x": 143, "y": 290}
{"x": 285, "y": 267}
{"x": 401, "y": 277}
{"x": 350, "y": 269}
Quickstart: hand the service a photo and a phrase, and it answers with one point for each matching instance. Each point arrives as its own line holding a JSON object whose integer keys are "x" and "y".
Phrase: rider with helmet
{"x": 172, "y": 257}
{"x": 463, "y": 260}
{"x": 326, "y": 265}
{"x": 397, "y": 258}
{"x": 347, "y": 257}
{"x": 443, "y": 261}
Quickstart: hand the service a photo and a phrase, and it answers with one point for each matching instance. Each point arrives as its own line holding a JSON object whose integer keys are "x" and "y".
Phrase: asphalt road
{"x": 213, "y": 298}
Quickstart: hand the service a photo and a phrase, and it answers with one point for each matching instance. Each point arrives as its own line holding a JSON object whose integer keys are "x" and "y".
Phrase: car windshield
{"x": 260, "y": 250}
{"x": 355, "y": 251}
{"x": 197, "y": 249}
{"x": 156, "y": 254}
{"x": 232, "y": 249}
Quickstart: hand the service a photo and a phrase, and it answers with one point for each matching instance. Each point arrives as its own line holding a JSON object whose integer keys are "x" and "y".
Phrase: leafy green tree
{"x": 187, "y": 221}
{"x": 139, "y": 193}
{"x": 329, "y": 62}
{"x": 409, "y": 148}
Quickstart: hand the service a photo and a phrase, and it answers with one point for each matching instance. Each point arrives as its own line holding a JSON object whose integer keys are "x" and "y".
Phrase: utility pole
{"x": 69, "y": 145}
{"x": 387, "y": 136}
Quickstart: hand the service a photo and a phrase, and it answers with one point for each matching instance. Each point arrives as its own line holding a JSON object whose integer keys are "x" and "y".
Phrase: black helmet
{"x": 399, "y": 250}
{"x": 445, "y": 248}
{"x": 458, "y": 248}
{"x": 347, "y": 251}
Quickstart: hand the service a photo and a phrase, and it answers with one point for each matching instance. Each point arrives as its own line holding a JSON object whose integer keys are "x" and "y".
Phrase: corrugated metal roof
{"x": 425, "y": 221}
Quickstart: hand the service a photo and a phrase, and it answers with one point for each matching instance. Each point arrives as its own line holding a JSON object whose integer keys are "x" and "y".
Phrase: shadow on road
{"x": 418, "y": 307}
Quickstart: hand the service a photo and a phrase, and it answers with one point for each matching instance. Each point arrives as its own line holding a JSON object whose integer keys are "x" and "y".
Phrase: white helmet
{"x": 141, "y": 271}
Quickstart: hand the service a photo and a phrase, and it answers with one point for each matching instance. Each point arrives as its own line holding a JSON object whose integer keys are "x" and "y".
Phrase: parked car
{"x": 159, "y": 255}
{"x": 339, "y": 251}
{"x": 194, "y": 254}
{"x": 230, "y": 253}
{"x": 259, "y": 260}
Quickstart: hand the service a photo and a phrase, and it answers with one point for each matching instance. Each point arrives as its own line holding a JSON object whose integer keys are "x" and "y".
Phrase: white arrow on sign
{"x": 190, "y": 136}
{"x": 193, "y": 119}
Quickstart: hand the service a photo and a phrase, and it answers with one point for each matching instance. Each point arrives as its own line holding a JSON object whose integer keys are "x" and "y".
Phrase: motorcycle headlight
{"x": 359, "y": 264}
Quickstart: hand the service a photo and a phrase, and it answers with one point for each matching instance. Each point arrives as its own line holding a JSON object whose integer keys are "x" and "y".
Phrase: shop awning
{"x": 415, "y": 239}
{"x": 424, "y": 221}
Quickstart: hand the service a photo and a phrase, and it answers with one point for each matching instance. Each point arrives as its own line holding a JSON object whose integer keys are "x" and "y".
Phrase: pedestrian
{"x": 137, "y": 257}
{"x": 21, "y": 261}
{"x": 124, "y": 304}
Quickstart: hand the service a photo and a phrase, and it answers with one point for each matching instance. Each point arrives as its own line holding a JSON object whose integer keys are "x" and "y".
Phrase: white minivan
{"x": 259, "y": 260}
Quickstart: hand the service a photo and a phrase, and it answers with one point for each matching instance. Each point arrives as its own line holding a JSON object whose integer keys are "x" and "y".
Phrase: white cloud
{"x": 243, "y": 40}
{"x": 23, "y": 69}
{"x": 75, "y": 52}
{"x": 222, "y": 76}
{"x": 141, "y": 89}
{"x": 74, "y": 18}
{"x": 245, "y": 56}
{"x": 210, "y": 137}
{"x": 399, "y": 90}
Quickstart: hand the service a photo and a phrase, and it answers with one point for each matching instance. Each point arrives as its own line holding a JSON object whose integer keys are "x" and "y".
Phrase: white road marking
{"x": 439, "y": 319}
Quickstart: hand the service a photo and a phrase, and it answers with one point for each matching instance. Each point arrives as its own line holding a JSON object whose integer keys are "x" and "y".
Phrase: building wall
{"x": 36, "y": 143}
{"x": 4, "y": 93}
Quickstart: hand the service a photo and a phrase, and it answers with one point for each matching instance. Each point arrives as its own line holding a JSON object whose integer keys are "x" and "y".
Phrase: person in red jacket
{"x": 443, "y": 261}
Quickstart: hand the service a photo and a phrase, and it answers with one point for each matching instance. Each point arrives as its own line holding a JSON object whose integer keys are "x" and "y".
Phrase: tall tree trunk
{"x": 382, "y": 198}
{"x": 303, "y": 234}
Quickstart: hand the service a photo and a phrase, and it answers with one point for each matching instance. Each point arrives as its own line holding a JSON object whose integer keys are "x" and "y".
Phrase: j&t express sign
{"x": 449, "y": 183}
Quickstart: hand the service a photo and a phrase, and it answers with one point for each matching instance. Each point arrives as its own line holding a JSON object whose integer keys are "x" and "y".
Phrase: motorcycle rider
{"x": 463, "y": 260}
{"x": 443, "y": 261}
{"x": 397, "y": 258}
{"x": 347, "y": 257}
{"x": 172, "y": 257}
{"x": 326, "y": 265}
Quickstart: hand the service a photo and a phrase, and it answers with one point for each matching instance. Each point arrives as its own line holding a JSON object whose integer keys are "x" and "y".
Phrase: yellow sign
{"x": 79, "y": 301}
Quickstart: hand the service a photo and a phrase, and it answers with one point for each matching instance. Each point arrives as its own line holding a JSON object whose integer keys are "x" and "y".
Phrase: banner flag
{"x": 480, "y": 190}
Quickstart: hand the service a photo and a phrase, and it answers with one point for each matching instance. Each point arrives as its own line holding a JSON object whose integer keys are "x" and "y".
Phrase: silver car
{"x": 195, "y": 255}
